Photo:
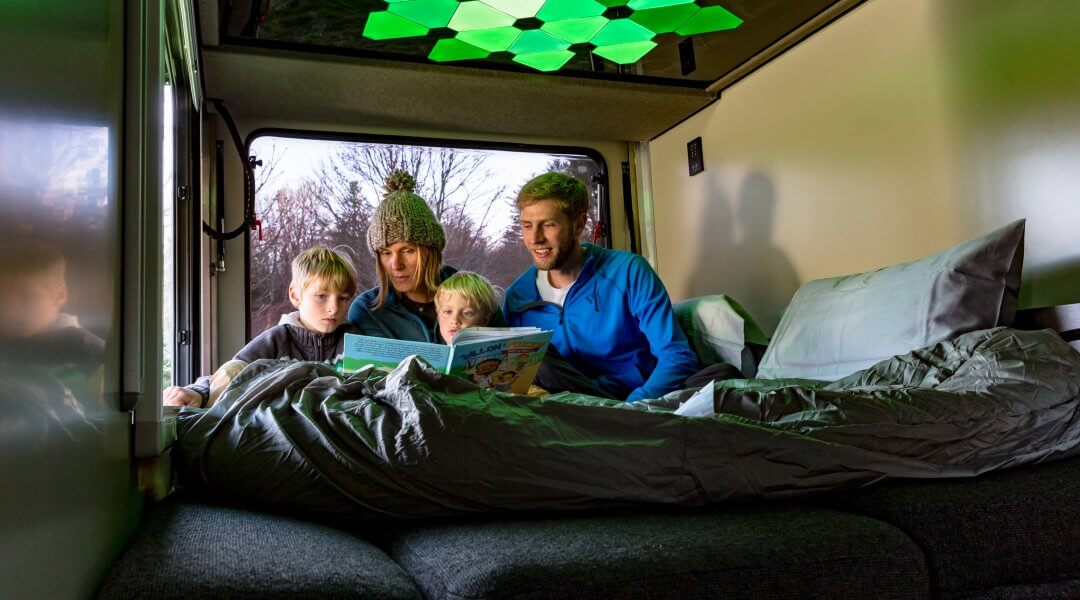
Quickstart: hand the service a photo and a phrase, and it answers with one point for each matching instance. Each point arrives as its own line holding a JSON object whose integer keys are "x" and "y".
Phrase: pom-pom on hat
{"x": 403, "y": 217}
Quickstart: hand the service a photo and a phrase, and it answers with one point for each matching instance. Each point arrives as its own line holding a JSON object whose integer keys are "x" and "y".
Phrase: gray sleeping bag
{"x": 417, "y": 443}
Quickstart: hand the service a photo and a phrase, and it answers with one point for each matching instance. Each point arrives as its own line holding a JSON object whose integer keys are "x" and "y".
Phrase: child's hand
{"x": 178, "y": 396}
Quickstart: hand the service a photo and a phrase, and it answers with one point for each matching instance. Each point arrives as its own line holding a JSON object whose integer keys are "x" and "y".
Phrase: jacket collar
{"x": 528, "y": 295}
{"x": 307, "y": 336}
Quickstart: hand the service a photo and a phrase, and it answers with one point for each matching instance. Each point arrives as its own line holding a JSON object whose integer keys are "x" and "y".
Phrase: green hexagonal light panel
{"x": 429, "y": 13}
{"x": 557, "y": 10}
{"x": 709, "y": 19}
{"x": 545, "y": 61}
{"x": 622, "y": 31}
{"x": 666, "y": 19}
{"x": 534, "y": 40}
{"x": 497, "y": 39}
{"x": 386, "y": 26}
{"x": 643, "y": 4}
{"x": 519, "y": 9}
{"x": 480, "y": 27}
{"x": 625, "y": 54}
{"x": 478, "y": 15}
{"x": 575, "y": 31}
{"x": 455, "y": 49}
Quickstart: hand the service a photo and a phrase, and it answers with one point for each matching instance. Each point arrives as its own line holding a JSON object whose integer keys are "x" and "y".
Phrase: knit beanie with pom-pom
{"x": 403, "y": 217}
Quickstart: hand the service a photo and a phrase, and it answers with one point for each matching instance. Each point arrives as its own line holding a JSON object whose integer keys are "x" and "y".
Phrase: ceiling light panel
{"x": 545, "y": 34}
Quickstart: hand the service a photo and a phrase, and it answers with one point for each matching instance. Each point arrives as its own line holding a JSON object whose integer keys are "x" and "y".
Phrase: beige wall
{"x": 901, "y": 129}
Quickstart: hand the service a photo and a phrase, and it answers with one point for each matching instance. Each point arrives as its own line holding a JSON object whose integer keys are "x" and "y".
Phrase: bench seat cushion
{"x": 187, "y": 550}
{"x": 1019, "y": 527}
{"x": 736, "y": 552}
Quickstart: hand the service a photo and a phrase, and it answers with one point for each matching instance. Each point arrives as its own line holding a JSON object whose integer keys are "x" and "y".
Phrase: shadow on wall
{"x": 737, "y": 255}
{"x": 1051, "y": 284}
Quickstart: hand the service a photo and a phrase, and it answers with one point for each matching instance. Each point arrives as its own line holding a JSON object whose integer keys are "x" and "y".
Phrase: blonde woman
{"x": 407, "y": 242}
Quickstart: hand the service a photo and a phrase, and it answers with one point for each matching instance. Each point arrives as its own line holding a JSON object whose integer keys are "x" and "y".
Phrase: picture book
{"x": 503, "y": 358}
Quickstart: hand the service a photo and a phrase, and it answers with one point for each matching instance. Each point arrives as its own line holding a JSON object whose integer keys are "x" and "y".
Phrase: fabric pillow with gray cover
{"x": 720, "y": 331}
{"x": 834, "y": 327}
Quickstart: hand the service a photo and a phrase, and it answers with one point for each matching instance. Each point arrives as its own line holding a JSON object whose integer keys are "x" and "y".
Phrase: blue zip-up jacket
{"x": 615, "y": 326}
{"x": 393, "y": 320}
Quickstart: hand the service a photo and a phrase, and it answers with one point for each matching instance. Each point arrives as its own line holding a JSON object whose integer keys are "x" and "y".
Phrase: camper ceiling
{"x": 307, "y": 61}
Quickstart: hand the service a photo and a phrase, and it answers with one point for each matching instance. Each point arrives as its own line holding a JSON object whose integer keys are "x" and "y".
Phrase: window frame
{"x": 603, "y": 186}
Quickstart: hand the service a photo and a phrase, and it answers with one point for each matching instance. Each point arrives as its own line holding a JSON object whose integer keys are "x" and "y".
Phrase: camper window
{"x": 315, "y": 189}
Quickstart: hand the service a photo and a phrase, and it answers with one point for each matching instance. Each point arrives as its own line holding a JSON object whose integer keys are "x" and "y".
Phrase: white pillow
{"x": 718, "y": 330}
{"x": 834, "y": 327}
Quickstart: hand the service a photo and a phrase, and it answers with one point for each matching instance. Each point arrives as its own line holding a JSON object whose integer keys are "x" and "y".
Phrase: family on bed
{"x": 614, "y": 332}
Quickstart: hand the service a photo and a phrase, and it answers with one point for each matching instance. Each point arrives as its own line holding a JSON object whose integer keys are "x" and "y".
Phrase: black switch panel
{"x": 694, "y": 157}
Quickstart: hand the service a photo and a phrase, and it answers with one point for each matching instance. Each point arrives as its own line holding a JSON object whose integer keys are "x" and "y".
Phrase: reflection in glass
{"x": 53, "y": 197}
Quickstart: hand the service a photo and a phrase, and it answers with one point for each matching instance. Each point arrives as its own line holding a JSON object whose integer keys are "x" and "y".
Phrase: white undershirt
{"x": 548, "y": 292}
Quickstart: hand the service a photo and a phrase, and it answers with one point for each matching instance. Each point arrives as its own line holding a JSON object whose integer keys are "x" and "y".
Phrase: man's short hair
{"x": 324, "y": 264}
{"x": 473, "y": 287}
{"x": 568, "y": 193}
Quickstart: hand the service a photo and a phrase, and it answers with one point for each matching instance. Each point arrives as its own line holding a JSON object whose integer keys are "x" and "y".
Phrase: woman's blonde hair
{"x": 428, "y": 265}
{"x": 330, "y": 266}
{"x": 474, "y": 288}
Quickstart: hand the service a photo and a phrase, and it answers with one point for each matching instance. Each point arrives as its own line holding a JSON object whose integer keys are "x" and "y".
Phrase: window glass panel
{"x": 325, "y": 191}
{"x": 168, "y": 238}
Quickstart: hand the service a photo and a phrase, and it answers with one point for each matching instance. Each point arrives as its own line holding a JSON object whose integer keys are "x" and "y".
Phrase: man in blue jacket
{"x": 614, "y": 331}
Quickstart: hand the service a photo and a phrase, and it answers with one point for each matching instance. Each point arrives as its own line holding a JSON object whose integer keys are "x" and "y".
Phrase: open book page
{"x": 504, "y": 363}
{"x": 487, "y": 333}
{"x": 386, "y": 353}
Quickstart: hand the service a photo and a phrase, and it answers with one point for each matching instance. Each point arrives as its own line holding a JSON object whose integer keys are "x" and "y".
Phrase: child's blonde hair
{"x": 473, "y": 287}
{"x": 330, "y": 266}
{"x": 24, "y": 257}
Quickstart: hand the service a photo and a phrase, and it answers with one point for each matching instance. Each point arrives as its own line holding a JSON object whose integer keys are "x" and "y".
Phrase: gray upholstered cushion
{"x": 189, "y": 551}
{"x": 1010, "y": 530}
{"x": 740, "y": 553}
{"x": 834, "y": 327}
{"x": 1042, "y": 591}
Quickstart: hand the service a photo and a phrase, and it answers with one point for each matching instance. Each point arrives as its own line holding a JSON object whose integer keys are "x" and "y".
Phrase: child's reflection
{"x": 41, "y": 346}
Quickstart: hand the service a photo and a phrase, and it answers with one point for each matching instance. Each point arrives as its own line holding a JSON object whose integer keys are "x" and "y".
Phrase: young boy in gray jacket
{"x": 322, "y": 287}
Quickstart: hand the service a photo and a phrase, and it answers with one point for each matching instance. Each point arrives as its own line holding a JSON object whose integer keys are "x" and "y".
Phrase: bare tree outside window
{"x": 317, "y": 191}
